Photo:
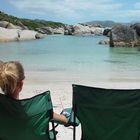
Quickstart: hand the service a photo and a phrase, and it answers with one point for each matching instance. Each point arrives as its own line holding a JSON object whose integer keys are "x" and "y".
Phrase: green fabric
{"x": 107, "y": 114}
{"x": 26, "y": 119}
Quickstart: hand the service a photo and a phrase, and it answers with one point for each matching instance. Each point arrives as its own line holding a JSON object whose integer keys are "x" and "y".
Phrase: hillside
{"x": 107, "y": 23}
{"x": 31, "y": 24}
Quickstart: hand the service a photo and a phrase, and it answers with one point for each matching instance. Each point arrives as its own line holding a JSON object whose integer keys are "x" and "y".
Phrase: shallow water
{"x": 80, "y": 57}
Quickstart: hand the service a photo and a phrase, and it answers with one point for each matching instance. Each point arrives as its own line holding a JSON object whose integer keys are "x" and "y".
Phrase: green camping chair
{"x": 26, "y": 119}
{"x": 107, "y": 114}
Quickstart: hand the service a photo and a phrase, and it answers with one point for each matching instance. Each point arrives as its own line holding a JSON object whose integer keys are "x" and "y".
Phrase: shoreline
{"x": 61, "y": 83}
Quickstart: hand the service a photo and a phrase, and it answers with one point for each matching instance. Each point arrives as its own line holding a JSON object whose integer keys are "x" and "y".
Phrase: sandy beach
{"x": 61, "y": 92}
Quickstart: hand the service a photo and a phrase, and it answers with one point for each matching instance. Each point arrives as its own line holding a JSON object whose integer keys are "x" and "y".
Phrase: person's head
{"x": 11, "y": 78}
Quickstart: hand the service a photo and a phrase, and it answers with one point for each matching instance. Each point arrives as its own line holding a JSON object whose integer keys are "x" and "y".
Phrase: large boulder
{"x": 39, "y": 36}
{"x": 107, "y": 32}
{"x": 9, "y": 25}
{"x": 136, "y": 27}
{"x": 81, "y": 30}
{"x": 40, "y": 30}
{"x": 97, "y": 30}
{"x": 8, "y": 34}
{"x": 68, "y": 30}
{"x": 122, "y": 35}
{"x": 47, "y": 30}
{"x": 18, "y": 35}
{"x": 3, "y": 24}
{"x": 50, "y": 30}
{"x": 59, "y": 30}
{"x": 20, "y": 24}
{"x": 27, "y": 35}
{"x": 12, "y": 26}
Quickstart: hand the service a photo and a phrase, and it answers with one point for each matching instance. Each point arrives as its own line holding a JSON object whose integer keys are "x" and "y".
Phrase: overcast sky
{"x": 74, "y": 11}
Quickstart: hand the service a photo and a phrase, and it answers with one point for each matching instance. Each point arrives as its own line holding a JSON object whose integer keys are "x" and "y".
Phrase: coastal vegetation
{"x": 31, "y": 24}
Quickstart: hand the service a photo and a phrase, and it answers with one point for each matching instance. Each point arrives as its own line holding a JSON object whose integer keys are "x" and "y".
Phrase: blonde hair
{"x": 1, "y": 62}
{"x": 11, "y": 73}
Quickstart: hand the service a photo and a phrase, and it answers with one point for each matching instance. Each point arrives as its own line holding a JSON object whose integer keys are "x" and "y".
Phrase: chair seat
{"x": 26, "y": 119}
{"x": 107, "y": 114}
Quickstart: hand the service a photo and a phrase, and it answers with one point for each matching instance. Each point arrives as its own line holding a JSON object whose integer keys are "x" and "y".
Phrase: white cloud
{"x": 129, "y": 14}
{"x": 79, "y": 10}
{"x": 66, "y": 8}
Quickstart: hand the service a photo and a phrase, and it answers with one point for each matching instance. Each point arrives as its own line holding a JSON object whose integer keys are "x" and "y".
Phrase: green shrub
{"x": 31, "y": 24}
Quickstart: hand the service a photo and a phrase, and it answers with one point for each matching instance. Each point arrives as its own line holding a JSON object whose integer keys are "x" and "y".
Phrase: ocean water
{"x": 75, "y": 56}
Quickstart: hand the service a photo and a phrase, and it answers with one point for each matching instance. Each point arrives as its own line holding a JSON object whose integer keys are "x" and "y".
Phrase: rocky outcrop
{"x": 18, "y": 35}
{"x": 21, "y": 25}
{"x": 39, "y": 36}
{"x": 40, "y": 30}
{"x": 68, "y": 30}
{"x": 136, "y": 27}
{"x": 50, "y": 30}
{"x": 8, "y": 34}
{"x": 97, "y": 30}
{"x": 78, "y": 29}
{"x": 83, "y": 29}
{"x": 9, "y": 25}
{"x": 59, "y": 30}
{"x": 122, "y": 35}
{"x": 3, "y": 24}
{"x": 47, "y": 30}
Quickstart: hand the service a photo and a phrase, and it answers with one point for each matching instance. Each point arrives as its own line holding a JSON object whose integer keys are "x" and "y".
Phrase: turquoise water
{"x": 81, "y": 56}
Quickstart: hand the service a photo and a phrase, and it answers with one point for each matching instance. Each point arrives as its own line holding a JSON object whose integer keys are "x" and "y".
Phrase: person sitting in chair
{"x": 12, "y": 81}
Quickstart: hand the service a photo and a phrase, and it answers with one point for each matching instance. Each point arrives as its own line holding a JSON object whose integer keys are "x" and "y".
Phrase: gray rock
{"x": 47, "y": 30}
{"x": 59, "y": 30}
{"x": 50, "y": 30}
{"x": 68, "y": 30}
{"x": 11, "y": 26}
{"x": 81, "y": 30}
{"x": 39, "y": 36}
{"x": 136, "y": 27}
{"x": 40, "y": 30}
{"x": 3, "y": 24}
{"x": 107, "y": 32}
{"x": 122, "y": 35}
{"x": 104, "y": 42}
{"x": 97, "y": 30}
{"x": 20, "y": 24}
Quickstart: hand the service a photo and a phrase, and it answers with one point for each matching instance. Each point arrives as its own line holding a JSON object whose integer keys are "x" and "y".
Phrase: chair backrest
{"x": 26, "y": 119}
{"x": 107, "y": 114}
